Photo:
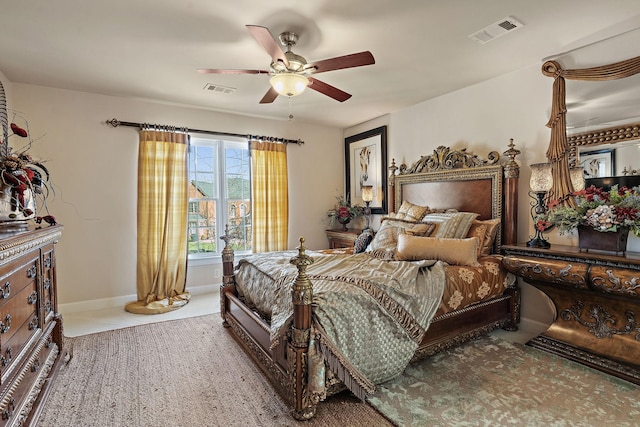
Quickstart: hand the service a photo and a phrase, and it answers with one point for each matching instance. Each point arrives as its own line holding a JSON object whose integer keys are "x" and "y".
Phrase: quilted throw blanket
{"x": 370, "y": 315}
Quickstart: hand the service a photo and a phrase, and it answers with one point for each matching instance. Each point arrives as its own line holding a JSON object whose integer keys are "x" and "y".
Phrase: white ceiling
{"x": 150, "y": 49}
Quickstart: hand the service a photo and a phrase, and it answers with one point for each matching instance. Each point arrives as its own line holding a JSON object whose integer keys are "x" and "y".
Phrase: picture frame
{"x": 366, "y": 164}
{"x": 597, "y": 163}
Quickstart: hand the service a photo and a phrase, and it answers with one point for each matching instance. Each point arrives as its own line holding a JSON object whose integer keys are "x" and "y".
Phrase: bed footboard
{"x": 290, "y": 373}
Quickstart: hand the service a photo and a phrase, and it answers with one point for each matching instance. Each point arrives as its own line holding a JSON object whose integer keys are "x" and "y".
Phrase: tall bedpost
{"x": 510, "y": 188}
{"x": 304, "y": 407}
{"x": 392, "y": 186}
{"x": 228, "y": 278}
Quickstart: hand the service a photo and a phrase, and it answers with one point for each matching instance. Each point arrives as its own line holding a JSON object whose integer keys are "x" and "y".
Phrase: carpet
{"x": 189, "y": 372}
{"x": 492, "y": 382}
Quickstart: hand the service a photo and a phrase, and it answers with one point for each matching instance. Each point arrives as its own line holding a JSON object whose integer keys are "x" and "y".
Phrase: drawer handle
{"x": 6, "y": 325}
{"x": 34, "y": 323}
{"x": 5, "y": 291}
{"x": 33, "y": 298}
{"x": 4, "y": 361}
{"x": 31, "y": 271}
{"x": 11, "y": 406}
{"x": 47, "y": 283}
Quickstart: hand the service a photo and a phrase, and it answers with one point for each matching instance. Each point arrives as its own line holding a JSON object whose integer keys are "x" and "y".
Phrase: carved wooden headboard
{"x": 459, "y": 180}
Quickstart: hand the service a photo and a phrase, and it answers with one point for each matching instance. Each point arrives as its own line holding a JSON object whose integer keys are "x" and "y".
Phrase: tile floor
{"x": 89, "y": 322}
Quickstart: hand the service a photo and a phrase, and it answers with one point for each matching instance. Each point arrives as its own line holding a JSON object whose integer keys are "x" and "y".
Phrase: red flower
{"x": 343, "y": 212}
{"x": 542, "y": 225}
{"x": 18, "y": 130}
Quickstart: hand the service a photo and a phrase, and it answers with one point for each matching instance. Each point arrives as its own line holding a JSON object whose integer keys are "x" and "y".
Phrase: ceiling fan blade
{"x": 341, "y": 62}
{"x": 217, "y": 71}
{"x": 269, "y": 97}
{"x": 266, "y": 40}
{"x": 328, "y": 90}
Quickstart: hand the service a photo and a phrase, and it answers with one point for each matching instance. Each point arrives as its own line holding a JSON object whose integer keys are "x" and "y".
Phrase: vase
{"x": 614, "y": 241}
{"x": 344, "y": 220}
{"x": 10, "y": 215}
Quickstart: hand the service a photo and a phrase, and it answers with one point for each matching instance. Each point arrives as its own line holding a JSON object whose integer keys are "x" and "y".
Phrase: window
{"x": 219, "y": 194}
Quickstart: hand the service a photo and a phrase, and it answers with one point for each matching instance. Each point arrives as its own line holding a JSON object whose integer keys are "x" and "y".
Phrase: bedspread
{"x": 369, "y": 315}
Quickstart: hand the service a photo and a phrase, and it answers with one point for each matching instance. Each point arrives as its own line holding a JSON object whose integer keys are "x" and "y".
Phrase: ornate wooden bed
{"x": 446, "y": 179}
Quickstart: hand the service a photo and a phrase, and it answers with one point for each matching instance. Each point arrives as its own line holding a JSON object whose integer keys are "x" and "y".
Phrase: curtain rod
{"x": 115, "y": 123}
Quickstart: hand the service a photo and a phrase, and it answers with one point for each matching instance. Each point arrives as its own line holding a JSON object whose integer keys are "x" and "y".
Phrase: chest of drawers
{"x": 30, "y": 327}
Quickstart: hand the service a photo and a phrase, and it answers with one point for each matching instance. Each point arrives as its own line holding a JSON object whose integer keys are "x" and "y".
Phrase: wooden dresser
{"x": 30, "y": 326}
{"x": 597, "y": 300}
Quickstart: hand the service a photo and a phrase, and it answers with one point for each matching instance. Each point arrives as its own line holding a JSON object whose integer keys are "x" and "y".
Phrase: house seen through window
{"x": 219, "y": 194}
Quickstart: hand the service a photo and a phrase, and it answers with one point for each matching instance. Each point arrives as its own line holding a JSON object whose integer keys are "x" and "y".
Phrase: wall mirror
{"x": 602, "y": 108}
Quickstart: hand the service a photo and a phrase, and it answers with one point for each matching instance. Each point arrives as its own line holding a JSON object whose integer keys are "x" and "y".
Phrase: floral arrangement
{"x": 597, "y": 208}
{"x": 22, "y": 177}
{"x": 344, "y": 211}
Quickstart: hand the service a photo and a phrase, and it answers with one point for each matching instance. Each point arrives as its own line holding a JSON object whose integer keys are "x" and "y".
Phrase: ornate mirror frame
{"x": 562, "y": 154}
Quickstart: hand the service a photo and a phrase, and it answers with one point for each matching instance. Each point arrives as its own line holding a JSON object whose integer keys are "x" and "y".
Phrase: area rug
{"x": 189, "y": 372}
{"x": 492, "y": 382}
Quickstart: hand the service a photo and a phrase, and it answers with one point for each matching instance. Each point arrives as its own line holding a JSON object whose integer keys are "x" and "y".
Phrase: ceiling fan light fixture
{"x": 289, "y": 84}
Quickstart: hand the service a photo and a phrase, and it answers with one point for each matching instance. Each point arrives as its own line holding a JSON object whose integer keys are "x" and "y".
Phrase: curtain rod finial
{"x": 113, "y": 122}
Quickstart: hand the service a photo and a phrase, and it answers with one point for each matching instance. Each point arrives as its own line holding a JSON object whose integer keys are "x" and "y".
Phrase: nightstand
{"x": 341, "y": 238}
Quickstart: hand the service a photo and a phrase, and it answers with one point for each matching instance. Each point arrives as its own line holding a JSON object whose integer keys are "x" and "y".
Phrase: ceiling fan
{"x": 291, "y": 73}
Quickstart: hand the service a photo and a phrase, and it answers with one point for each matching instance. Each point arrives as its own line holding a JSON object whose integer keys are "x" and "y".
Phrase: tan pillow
{"x": 452, "y": 225}
{"x": 451, "y": 251}
{"x": 411, "y": 211}
{"x": 479, "y": 230}
{"x": 493, "y": 225}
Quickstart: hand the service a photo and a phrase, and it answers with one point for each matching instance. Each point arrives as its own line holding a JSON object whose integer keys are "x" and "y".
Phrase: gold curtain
{"x": 269, "y": 196}
{"x": 162, "y": 223}
{"x": 558, "y": 148}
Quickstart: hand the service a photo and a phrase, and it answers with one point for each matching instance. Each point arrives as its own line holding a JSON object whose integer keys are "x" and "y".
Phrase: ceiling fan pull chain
{"x": 290, "y": 108}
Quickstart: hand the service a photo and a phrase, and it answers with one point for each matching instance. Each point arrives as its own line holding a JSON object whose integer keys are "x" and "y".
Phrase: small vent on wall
{"x": 496, "y": 30}
{"x": 219, "y": 89}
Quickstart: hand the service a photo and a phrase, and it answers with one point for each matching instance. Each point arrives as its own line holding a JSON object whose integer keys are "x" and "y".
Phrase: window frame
{"x": 220, "y": 143}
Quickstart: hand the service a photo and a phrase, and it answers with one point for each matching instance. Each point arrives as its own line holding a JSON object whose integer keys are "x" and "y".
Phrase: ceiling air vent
{"x": 219, "y": 89}
{"x": 496, "y": 30}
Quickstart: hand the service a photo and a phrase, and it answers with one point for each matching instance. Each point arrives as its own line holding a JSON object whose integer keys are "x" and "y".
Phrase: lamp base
{"x": 538, "y": 242}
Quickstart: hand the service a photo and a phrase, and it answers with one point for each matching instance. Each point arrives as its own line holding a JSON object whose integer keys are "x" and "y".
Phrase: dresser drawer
{"x": 560, "y": 273}
{"x": 18, "y": 274}
{"x": 16, "y": 311}
{"x": 18, "y": 321}
{"x": 32, "y": 375}
{"x": 616, "y": 281}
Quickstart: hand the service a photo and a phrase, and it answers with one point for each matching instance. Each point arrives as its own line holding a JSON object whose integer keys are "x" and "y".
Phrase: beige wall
{"x": 94, "y": 170}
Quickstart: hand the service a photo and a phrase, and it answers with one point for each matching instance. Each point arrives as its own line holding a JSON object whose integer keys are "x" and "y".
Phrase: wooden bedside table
{"x": 597, "y": 300}
{"x": 341, "y": 238}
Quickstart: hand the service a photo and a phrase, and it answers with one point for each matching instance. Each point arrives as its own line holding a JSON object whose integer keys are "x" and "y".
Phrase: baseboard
{"x": 121, "y": 301}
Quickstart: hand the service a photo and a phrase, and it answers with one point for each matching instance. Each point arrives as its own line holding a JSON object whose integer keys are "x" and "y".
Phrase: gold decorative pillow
{"x": 451, "y": 225}
{"x": 411, "y": 211}
{"x": 493, "y": 225}
{"x": 478, "y": 230}
{"x": 451, "y": 251}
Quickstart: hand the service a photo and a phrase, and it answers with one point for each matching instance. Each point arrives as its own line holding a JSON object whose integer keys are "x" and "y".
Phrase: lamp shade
{"x": 541, "y": 178}
{"x": 577, "y": 178}
{"x": 367, "y": 193}
{"x": 289, "y": 84}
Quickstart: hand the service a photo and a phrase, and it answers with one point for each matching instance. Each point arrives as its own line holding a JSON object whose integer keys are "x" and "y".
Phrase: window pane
{"x": 202, "y": 227}
{"x": 238, "y": 193}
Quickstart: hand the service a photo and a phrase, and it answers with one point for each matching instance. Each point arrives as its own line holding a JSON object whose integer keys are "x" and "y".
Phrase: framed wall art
{"x": 597, "y": 163}
{"x": 366, "y": 164}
